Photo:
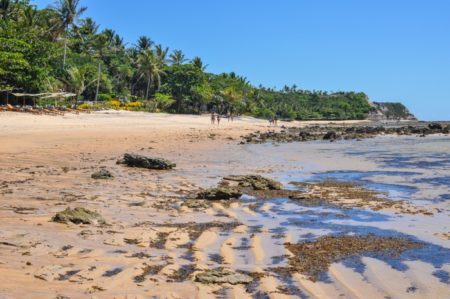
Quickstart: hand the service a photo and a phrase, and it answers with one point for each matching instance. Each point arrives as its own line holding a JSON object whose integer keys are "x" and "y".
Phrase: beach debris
{"x": 222, "y": 275}
{"x": 220, "y": 193}
{"x": 102, "y": 174}
{"x": 313, "y": 258}
{"x": 254, "y": 182}
{"x": 139, "y": 161}
{"x": 78, "y": 216}
{"x": 148, "y": 270}
{"x": 182, "y": 273}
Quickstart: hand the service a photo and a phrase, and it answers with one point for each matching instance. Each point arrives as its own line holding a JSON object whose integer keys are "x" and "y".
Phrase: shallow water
{"x": 411, "y": 169}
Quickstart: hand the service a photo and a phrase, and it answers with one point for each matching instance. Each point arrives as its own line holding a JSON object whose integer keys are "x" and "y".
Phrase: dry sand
{"x": 45, "y": 166}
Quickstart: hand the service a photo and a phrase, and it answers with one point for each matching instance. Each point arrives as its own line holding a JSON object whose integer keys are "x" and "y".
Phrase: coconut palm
{"x": 151, "y": 68}
{"x": 177, "y": 57}
{"x": 144, "y": 43}
{"x": 198, "y": 63}
{"x": 67, "y": 12}
{"x": 77, "y": 80}
{"x": 161, "y": 53}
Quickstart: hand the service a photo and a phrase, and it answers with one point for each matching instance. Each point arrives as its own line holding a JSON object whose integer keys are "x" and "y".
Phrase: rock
{"x": 78, "y": 216}
{"x": 102, "y": 174}
{"x": 146, "y": 162}
{"x": 331, "y": 135}
{"x": 219, "y": 193}
{"x": 435, "y": 126}
{"x": 255, "y": 182}
{"x": 222, "y": 275}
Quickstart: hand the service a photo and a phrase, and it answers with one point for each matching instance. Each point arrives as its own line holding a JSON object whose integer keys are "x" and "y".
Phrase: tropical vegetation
{"x": 57, "y": 49}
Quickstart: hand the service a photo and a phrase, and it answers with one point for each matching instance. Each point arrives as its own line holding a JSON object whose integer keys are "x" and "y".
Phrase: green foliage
{"x": 54, "y": 49}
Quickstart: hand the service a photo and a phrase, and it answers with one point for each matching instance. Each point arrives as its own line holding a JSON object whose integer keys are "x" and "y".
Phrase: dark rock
{"x": 146, "y": 162}
{"x": 219, "y": 193}
{"x": 102, "y": 174}
{"x": 435, "y": 126}
{"x": 78, "y": 216}
{"x": 331, "y": 135}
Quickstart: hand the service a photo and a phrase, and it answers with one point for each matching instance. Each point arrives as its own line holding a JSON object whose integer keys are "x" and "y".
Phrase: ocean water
{"x": 416, "y": 170}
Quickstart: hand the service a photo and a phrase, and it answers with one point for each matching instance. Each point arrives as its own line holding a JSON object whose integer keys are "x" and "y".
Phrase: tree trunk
{"x": 98, "y": 81}
{"x": 148, "y": 87}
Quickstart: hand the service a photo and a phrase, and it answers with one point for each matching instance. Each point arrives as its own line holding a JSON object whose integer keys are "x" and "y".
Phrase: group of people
{"x": 273, "y": 121}
{"x": 216, "y": 117}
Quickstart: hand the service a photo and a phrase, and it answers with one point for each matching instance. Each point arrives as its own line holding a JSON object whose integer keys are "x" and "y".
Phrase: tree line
{"x": 56, "y": 49}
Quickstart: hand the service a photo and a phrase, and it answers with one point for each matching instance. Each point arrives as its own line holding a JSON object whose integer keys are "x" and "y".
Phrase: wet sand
{"x": 154, "y": 245}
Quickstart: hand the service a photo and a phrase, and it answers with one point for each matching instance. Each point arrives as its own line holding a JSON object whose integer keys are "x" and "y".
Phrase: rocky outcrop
{"x": 389, "y": 111}
{"x": 332, "y": 133}
{"x": 78, "y": 216}
{"x": 146, "y": 162}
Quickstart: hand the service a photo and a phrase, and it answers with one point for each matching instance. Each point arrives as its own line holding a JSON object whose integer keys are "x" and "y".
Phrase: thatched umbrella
{"x": 58, "y": 95}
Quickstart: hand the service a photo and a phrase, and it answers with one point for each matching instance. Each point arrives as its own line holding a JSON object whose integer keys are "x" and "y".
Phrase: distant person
{"x": 218, "y": 119}
{"x": 275, "y": 120}
{"x": 229, "y": 116}
{"x": 232, "y": 116}
{"x": 213, "y": 118}
{"x": 270, "y": 121}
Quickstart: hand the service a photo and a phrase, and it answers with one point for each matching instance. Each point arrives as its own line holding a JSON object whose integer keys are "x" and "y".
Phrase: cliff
{"x": 389, "y": 111}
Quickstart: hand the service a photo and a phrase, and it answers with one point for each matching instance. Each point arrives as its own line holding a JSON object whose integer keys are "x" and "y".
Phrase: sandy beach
{"x": 154, "y": 245}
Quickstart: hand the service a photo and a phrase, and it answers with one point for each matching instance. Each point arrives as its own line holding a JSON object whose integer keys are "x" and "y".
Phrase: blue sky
{"x": 394, "y": 50}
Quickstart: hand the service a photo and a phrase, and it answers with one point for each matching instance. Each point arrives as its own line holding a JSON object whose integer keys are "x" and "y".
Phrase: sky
{"x": 393, "y": 50}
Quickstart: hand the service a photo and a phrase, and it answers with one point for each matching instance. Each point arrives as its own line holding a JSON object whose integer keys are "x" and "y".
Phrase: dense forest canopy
{"x": 56, "y": 49}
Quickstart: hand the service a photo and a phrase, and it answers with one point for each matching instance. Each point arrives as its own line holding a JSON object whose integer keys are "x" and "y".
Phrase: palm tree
{"x": 198, "y": 63}
{"x": 77, "y": 80}
{"x": 151, "y": 68}
{"x": 161, "y": 53}
{"x": 88, "y": 27}
{"x": 177, "y": 57}
{"x": 144, "y": 43}
{"x": 68, "y": 13}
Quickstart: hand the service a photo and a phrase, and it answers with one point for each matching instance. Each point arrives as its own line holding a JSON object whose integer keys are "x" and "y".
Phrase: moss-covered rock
{"x": 102, "y": 174}
{"x": 219, "y": 193}
{"x": 78, "y": 216}
{"x": 222, "y": 275}
{"x": 254, "y": 182}
{"x": 146, "y": 162}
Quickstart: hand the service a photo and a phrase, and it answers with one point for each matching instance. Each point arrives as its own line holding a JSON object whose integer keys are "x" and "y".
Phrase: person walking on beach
{"x": 213, "y": 118}
{"x": 218, "y": 119}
